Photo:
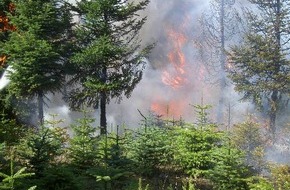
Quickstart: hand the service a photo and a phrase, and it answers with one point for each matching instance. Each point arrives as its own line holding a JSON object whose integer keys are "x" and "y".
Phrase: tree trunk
{"x": 40, "y": 108}
{"x": 273, "y": 111}
{"x": 103, "y": 119}
{"x": 274, "y": 96}
{"x": 103, "y": 102}
{"x": 220, "y": 109}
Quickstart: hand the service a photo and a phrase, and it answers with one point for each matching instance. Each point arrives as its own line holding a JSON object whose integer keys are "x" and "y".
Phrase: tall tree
{"x": 110, "y": 61}
{"x": 261, "y": 65}
{"x": 35, "y": 49}
{"x": 8, "y": 111}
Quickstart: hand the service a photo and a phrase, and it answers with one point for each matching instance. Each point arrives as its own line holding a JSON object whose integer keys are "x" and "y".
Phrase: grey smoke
{"x": 180, "y": 16}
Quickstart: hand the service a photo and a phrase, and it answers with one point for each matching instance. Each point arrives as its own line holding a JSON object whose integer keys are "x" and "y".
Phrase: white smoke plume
{"x": 4, "y": 80}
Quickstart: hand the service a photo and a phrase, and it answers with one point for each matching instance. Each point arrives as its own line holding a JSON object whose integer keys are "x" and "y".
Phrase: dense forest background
{"x": 125, "y": 94}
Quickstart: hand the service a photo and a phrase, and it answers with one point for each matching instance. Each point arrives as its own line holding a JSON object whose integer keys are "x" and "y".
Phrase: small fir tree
{"x": 248, "y": 137}
{"x": 193, "y": 150}
{"x": 39, "y": 149}
{"x": 10, "y": 181}
{"x": 230, "y": 170}
{"x": 194, "y": 144}
{"x": 150, "y": 149}
{"x": 83, "y": 146}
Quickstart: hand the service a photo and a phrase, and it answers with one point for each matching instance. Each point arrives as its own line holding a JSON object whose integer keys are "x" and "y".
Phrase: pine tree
{"x": 260, "y": 65}
{"x": 35, "y": 48}
{"x": 109, "y": 62}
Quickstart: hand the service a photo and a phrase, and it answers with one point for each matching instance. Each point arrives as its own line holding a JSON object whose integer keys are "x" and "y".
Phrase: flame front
{"x": 183, "y": 81}
{"x": 175, "y": 75}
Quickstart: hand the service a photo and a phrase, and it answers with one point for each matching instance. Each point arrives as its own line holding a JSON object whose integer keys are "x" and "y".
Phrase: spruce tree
{"x": 109, "y": 62}
{"x": 5, "y": 28}
{"x": 229, "y": 170}
{"x": 35, "y": 48}
{"x": 260, "y": 67}
{"x": 83, "y": 149}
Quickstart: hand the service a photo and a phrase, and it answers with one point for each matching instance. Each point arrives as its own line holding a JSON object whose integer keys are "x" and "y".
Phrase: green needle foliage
{"x": 151, "y": 150}
{"x": 109, "y": 61}
{"x": 230, "y": 170}
{"x": 8, "y": 181}
{"x": 10, "y": 130}
{"x": 194, "y": 144}
{"x": 83, "y": 146}
{"x": 36, "y": 49}
{"x": 41, "y": 148}
{"x": 248, "y": 137}
{"x": 193, "y": 149}
{"x": 260, "y": 64}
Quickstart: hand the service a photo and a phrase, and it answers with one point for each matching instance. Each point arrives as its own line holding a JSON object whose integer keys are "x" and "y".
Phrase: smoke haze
{"x": 174, "y": 77}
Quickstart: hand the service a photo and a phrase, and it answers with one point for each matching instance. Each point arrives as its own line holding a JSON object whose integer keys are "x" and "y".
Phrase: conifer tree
{"x": 248, "y": 137}
{"x": 5, "y": 28}
{"x": 83, "y": 150}
{"x": 260, "y": 65}
{"x": 35, "y": 48}
{"x": 109, "y": 62}
{"x": 229, "y": 170}
{"x": 150, "y": 149}
{"x": 194, "y": 145}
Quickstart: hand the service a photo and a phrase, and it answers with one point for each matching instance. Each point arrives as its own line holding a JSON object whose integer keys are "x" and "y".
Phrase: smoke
{"x": 175, "y": 77}
{"x": 4, "y": 80}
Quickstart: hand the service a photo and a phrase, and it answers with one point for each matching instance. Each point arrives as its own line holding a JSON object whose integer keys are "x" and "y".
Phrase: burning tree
{"x": 36, "y": 49}
{"x": 260, "y": 65}
{"x": 109, "y": 62}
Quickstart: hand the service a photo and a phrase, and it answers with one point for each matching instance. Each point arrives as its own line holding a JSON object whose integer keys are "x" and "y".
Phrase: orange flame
{"x": 172, "y": 108}
{"x": 5, "y": 26}
{"x": 2, "y": 60}
{"x": 175, "y": 77}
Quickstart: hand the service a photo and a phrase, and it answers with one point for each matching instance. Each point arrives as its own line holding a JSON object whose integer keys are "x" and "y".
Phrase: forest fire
{"x": 169, "y": 109}
{"x": 174, "y": 76}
